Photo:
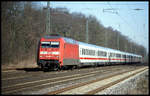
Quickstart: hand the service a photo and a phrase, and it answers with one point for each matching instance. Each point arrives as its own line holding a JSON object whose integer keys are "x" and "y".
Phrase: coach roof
{"x": 107, "y": 49}
{"x": 95, "y": 46}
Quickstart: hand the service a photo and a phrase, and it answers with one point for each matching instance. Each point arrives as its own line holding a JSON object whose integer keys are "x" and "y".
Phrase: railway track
{"x": 21, "y": 73}
{"x": 22, "y": 85}
{"x": 94, "y": 86}
{"x": 38, "y": 83}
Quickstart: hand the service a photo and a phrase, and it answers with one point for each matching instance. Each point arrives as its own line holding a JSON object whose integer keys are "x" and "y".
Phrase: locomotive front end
{"x": 49, "y": 54}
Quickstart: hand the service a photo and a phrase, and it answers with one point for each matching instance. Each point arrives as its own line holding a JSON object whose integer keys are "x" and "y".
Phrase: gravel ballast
{"x": 125, "y": 86}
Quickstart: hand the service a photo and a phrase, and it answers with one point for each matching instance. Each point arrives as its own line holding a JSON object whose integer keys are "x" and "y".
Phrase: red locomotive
{"x": 56, "y": 52}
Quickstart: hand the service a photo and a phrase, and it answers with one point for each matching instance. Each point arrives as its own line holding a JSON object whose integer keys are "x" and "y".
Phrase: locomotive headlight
{"x": 43, "y": 52}
{"x": 41, "y": 56}
{"x": 55, "y": 53}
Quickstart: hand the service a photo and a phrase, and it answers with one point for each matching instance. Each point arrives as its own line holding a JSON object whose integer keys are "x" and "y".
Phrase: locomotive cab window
{"x": 50, "y": 44}
{"x": 45, "y": 44}
{"x": 54, "y": 44}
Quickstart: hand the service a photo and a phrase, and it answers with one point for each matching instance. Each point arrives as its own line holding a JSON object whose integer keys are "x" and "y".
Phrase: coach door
{"x": 110, "y": 56}
{"x": 124, "y": 57}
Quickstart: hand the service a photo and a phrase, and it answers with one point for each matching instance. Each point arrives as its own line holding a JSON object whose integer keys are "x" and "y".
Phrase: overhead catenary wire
{"x": 134, "y": 23}
{"x": 97, "y": 3}
{"x": 124, "y": 21}
{"x": 122, "y": 18}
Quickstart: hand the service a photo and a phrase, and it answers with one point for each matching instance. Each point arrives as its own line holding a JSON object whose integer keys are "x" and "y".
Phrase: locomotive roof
{"x": 68, "y": 40}
{"x": 52, "y": 37}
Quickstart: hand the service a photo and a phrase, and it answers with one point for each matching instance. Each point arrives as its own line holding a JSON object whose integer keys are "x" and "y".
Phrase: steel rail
{"x": 85, "y": 83}
{"x": 10, "y": 89}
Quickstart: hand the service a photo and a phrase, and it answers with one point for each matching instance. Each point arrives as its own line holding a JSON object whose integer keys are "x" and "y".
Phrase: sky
{"x": 131, "y": 23}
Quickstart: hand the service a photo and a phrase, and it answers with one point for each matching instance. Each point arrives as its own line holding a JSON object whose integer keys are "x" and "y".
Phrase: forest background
{"x": 22, "y": 26}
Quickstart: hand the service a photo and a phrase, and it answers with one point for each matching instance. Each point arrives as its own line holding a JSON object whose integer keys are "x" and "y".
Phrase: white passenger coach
{"x": 92, "y": 54}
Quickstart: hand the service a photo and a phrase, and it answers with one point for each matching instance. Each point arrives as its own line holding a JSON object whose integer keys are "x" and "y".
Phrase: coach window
{"x": 88, "y": 52}
{"x": 99, "y": 53}
{"x": 105, "y": 53}
{"x": 83, "y": 51}
{"x": 102, "y": 53}
{"x": 115, "y": 55}
{"x": 127, "y": 56}
{"x": 124, "y": 56}
{"x": 111, "y": 54}
{"x": 92, "y": 52}
{"x": 118, "y": 55}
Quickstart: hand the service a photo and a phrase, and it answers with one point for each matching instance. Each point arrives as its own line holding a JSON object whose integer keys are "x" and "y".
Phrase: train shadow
{"x": 34, "y": 70}
{"x": 29, "y": 69}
